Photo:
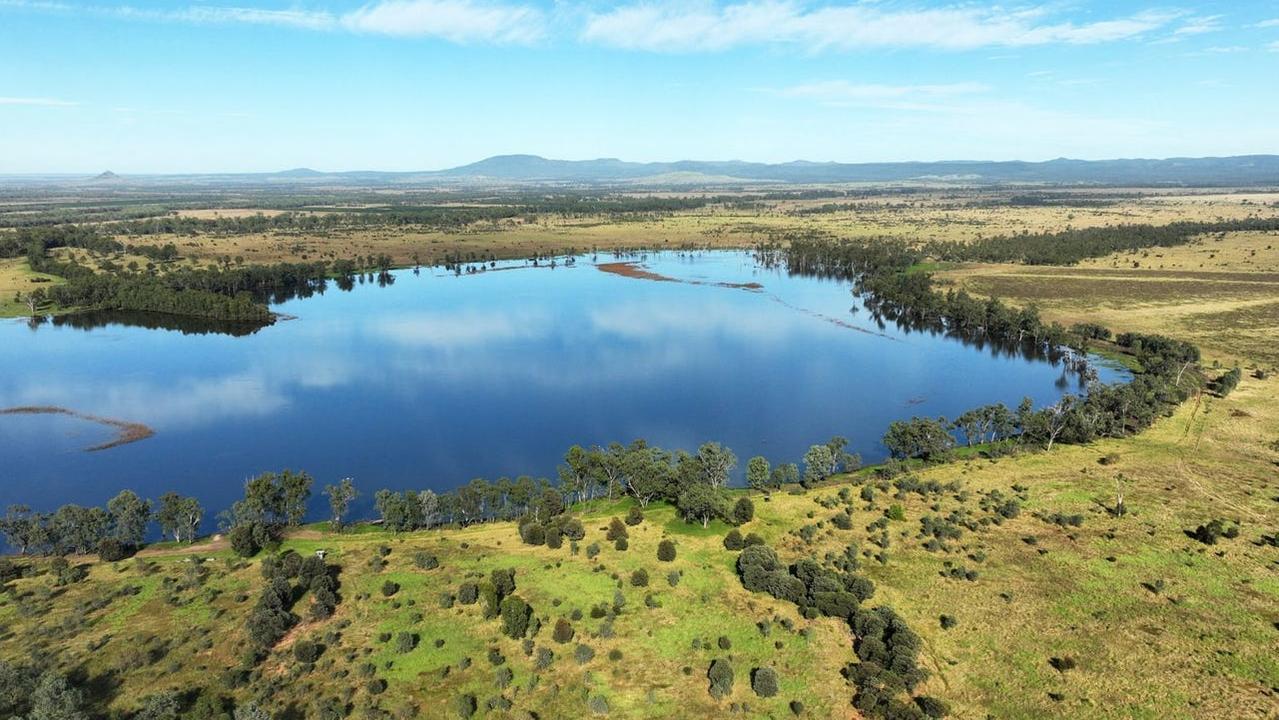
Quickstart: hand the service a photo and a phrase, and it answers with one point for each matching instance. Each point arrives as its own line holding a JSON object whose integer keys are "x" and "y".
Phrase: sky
{"x": 168, "y": 86}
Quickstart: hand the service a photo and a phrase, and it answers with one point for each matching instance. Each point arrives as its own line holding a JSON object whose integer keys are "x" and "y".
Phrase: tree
{"x": 919, "y": 438}
{"x": 161, "y": 706}
{"x": 757, "y": 472}
{"x": 295, "y": 490}
{"x": 23, "y": 529}
{"x": 340, "y": 498}
{"x": 575, "y": 473}
{"x": 56, "y": 699}
{"x": 764, "y": 681}
{"x": 129, "y": 517}
{"x": 784, "y": 474}
{"x": 666, "y": 551}
{"x": 649, "y": 474}
{"x": 179, "y": 516}
{"x": 818, "y": 464}
{"x": 715, "y": 462}
{"x": 720, "y": 675}
{"x": 515, "y": 617}
{"x": 743, "y": 511}
{"x": 700, "y": 503}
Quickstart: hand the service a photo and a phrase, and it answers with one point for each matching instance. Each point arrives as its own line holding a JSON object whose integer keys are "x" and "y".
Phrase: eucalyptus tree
{"x": 130, "y": 515}
{"x": 757, "y": 472}
{"x": 340, "y": 498}
{"x": 179, "y": 516}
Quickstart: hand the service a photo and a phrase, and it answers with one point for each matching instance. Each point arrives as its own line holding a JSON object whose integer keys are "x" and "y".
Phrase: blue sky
{"x": 171, "y": 86}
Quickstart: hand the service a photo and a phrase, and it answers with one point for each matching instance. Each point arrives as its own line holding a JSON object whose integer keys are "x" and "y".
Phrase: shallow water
{"x": 437, "y": 379}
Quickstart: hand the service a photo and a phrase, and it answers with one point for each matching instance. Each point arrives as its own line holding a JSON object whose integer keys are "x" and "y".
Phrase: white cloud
{"x": 1199, "y": 26}
{"x": 456, "y": 20}
{"x": 1268, "y": 23}
{"x": 707, "y": 27}
{"x": 1273, "y": 47}
{"x": 1225, "y": 49}
{"x": 37, "y": 101}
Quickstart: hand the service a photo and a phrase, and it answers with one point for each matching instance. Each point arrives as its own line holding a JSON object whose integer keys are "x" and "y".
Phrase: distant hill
{"x": 1240, "y": 170}
{"x": 1244, "y": 170}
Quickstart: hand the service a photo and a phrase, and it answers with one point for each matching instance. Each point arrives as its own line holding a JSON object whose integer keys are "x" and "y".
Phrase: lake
{"x": 438, "y": 378}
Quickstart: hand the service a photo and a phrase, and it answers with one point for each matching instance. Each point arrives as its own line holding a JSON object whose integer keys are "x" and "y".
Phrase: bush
{"x": 573, "y": 529}
{"x": 426, "y": 561}
{"x": 621, "y": 544}
{"x": 752, "y": 539}
{"x": 666, "y": 551}
{"x": 720, "y": 675}
{"x": 592, "y": 551}
{"x": 583, "y": 654}
{"x": 112, "y": 550}
{"x": 616, "y": 530}
{"x": 465, "y": 706}
{"x": 743, "y": 511}
{"x": 635, "y": 516}
{"x": 554, "y": 539}
{"x": 515, "y": 617}
{"x": 733, "y": 540}
{"x": 724, "y": 643}
{"x": 503, "y": 677}
{"x": 673, "y": 578}
{"x": 931, "y": 706}
{"x": 563, "y": 631}
{"x": 306, "y": 652}
{"x": 639, "y": 578}
{"x": 243, "y": 541}
{"x": 390, "y": 588}
{"x": 532, "y": 534}
{"x": 1210, "y": 532}
{"x": 468, "y": 593}
{"x": 405, "y": 642}
{"x": 545, "y": 656}
{"x": 843, "y": 521}
{"x": 896, "y": 512}
{"x": 764, "y": 682}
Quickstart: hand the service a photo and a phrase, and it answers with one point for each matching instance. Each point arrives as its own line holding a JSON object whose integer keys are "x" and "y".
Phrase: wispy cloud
{"x": 1199, "y": 26}
{"x": 459, "y": 21}
{"x": 1274, "y": 22}
{"x": 839, "y": 93}
{"x": 456, "y": 20}
{"x": 707, "y": 27}
{"x": 37, "y": 101}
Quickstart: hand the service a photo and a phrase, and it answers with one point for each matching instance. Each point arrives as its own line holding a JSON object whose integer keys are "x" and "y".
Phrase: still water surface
{"x": 437, "y": 379}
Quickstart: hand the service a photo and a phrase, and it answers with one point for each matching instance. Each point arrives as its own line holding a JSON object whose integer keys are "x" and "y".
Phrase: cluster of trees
{"x": 883, "y": 273}
{"x": 1068, "y": 247}
{"x": 289, "y": 577}
{"x": 115, "y": 531}
{"x": 887, "y": 649}
{"x": 272, "y": 501}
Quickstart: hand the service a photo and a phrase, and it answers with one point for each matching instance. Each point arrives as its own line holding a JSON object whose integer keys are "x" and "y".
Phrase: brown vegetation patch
{"x": 126, "y": 432}
{"x": 632, "y": 270}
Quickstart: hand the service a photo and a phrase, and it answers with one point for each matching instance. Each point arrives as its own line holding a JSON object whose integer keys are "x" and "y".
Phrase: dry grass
{"x": 16, "y": 277}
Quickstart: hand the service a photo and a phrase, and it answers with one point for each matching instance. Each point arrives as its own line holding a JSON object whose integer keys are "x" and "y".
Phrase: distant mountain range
{"x": 1245, "y": 169}
{"x": 1241, "y": 170}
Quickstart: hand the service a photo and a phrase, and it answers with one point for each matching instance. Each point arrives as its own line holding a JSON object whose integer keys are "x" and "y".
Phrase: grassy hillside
{"x": 1143, "y": 620}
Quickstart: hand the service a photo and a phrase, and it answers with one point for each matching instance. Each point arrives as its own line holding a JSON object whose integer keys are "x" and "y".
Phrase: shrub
{"x": 796, "y": 707}
{"x": 112, "y": 550}
{"x": 1210, "y": 532}
{"x": 545, "y": 656}
{"x": 306, "y": 652}
{"x": 390, "y": 588}
{"x": 616, "y": 530}
{"x": 583, "y": 654}
{"x": 573, "y": 529}
{"x": 724, "y": 643}
{"x": 532, "y": 534}
{"x": 948, "y": 622}
{"x": 931, "y": 706}
{"x": 733, "y": 540}
{"x": 635, "y": 516}
{"x": 673, "y": 578}
{"x": 554, "y": 539}
{"x": 465, "y": 706}
{"x": 621, "y": 544}
{"x": 563, "y": 631}
{"x": 426, "y": 561}
{"x": 666, "y": 551}
{"x": 896, "y": 512}
{"x": 720, "y": 675}
{"x": 764, "y": 682}
{"x": 843, "y": 521}
{"x": 468, "y": 593}
{"x": 515, "y": 617}
{"x": 639, "y": 578}
{"x": 405, "y": 642}
{"x": 503, "y": 677}
{"x": 752, "y": 539}
{"x": 592, "y": 551}
{"x": 243, "y": 541}
{"x": 743, "y": 511}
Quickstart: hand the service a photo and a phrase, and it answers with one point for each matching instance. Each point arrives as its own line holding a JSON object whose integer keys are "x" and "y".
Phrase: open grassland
{"x": 1152, "y": 623}
{"x": 16, "y": 277}
{"x": 963, "y": 216}
{"x": 1221, "y": 294}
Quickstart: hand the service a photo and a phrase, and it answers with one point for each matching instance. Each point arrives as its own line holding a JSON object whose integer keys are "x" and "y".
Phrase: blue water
{"x": 437, "y": 379}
